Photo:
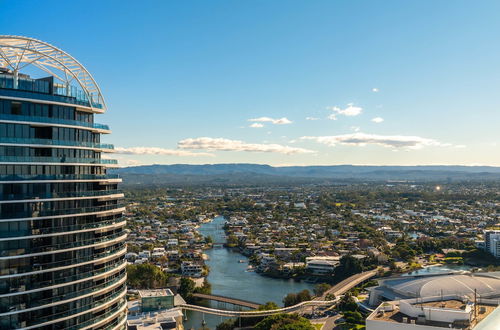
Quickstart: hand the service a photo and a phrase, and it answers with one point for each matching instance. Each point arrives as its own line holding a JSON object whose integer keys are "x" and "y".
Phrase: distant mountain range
{"x": 240, "y": 173}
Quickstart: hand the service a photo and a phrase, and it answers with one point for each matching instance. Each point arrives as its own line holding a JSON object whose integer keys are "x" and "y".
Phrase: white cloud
{"x": 312, "y": 118}
{"x": 355, "y": 128}
{"x": 212, "y": 144}
{"x": 378, "y": 120}
{"x": 159, "y": 151}
{"x": 256, "y": 125}
{"x": 278, "y": 121}
{"x": 350, "y": 111}
{"x": 375, "y": 90}
{"x": 390, "y": 141}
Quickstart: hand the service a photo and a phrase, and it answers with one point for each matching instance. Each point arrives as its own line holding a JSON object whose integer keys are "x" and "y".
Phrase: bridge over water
{"x": 230, "y": 313}
{"x": 338, "y": 290}
{"x": 349, "y": 283}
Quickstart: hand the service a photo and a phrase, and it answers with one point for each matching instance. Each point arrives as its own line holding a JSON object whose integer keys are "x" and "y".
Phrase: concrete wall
{"x": 384, "y": 325}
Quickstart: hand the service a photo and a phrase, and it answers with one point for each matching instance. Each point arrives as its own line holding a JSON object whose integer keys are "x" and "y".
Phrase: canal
{"x": 230, "y": 277}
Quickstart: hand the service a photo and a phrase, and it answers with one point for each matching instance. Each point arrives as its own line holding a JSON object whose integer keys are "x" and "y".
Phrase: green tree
{"x": 348, "y": 266}
{"x": 226, "y": 325}
{"x": 347, "y": 303}
{"x": 268, "y": 306}
{"x": 284, "y": 322}
{"x": 353, "y": 317}
{"x": 186, "y": 288}
{"x": 295, "y": 298}
{"x": 321, "y": 288}
{"x": 290, "y": 299}
{"x": 146, "y": 276}
{"x": 303, "y": 295}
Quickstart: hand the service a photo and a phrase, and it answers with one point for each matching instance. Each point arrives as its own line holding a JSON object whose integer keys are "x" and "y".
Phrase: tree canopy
{"x": 284, "y": 322}
{"x": 146, "y": 276}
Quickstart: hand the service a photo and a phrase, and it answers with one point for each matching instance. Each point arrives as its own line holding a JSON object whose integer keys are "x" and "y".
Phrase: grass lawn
{"x": 345, "y": 326}
{"x": 318, "y": 325}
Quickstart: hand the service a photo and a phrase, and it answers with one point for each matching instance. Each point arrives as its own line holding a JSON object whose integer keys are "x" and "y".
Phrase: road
{"x": 340, "y": 289}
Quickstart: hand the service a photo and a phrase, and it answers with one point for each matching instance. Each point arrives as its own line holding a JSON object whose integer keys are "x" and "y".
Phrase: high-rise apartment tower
{"x": 61, "y": 226}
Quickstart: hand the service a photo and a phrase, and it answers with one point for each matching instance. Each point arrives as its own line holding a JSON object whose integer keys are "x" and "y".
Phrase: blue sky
{"x": 285, "y": 82}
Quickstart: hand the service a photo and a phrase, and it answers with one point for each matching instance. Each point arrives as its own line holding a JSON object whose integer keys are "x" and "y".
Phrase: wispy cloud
{"x": 350, "y": 111}
{"x": 312, "y": 118}
{"x": 160, "y": 151}
{"x": 277, "y": 121}
{"x": 375, "y": 90}
{"x": 256, "y": 125}
{"x": 390, "y": 141}
{"x": 212, "y": 144}
{"x": 378, "y": 120}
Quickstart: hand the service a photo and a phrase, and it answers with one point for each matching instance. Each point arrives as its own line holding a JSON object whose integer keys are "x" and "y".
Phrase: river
{"x": 230, "y": 278}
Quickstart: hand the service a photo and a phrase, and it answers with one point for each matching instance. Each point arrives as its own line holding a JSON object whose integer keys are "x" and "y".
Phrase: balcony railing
{"x": 50, "y": 120}
{"x": 40, "y": 302}
{"x": 62, "y": 160}
{"x": 51, "y": 195}
{"x": 61, "y": 177}
{"x": 47, "y": 213}
{"x": 60, "y": 229}
{"x": 87, "y": 307}
{"x": 56, "y": 247}
{"x": 37, "y": 89}
{"x": 50, "y": 142}
{"x": 28, "y": 283}
{"x": 98, "y": 318}
{"x": 66, "y": 262}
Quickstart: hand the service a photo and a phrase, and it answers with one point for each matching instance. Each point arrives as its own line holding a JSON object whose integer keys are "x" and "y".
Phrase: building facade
{"x": 492, "y": 242}
{"x": 62, "y": 238}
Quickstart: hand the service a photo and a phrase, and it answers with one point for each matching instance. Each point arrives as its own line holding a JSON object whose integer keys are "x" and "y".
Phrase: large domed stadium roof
{"x": 486, "y": 285}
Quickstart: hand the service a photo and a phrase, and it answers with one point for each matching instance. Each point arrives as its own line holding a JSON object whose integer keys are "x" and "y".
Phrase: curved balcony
{"x": 61, "y": 177}
{"x": 7, "y": 198}
{"x": 116, "y": 250}
{"x": 55, "y": 248}
{"x": 59, "y": 143}
{"x": 57, "y": 160}
{"x": 54, "y": 121}
{"x": 119, "y": 322}
{"x": 19, "y": 234}
{"x": 112, "y": 226}
{"x": 58, "y": 299}
{"x": 19, "y": 286}
{"x": 31, "y": 93}
{"x": 34, "y": 214}
{"x": 54, "y": 318}
{"x": 109, "y": 314}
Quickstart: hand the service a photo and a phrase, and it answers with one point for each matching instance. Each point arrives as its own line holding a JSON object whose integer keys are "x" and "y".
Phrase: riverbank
{"x": 230, "y": 277}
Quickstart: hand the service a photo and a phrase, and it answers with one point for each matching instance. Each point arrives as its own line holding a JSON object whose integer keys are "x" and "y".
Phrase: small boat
{"x": 242, "y": 261}
{"x": 250, "y": 268}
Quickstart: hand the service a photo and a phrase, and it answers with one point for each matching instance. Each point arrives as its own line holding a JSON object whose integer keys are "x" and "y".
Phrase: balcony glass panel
{"x": 55, "y": 247}
{"x": 49, "y": 120}
{"x": 57, "y": 143}
{"x": 62, "y": 160}
{"x": 46, "y": 213}
{"x": 27, "y": 88}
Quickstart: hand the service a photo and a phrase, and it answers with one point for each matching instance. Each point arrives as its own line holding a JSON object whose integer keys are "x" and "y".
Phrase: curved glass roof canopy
{"x": 18, "y": 52}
